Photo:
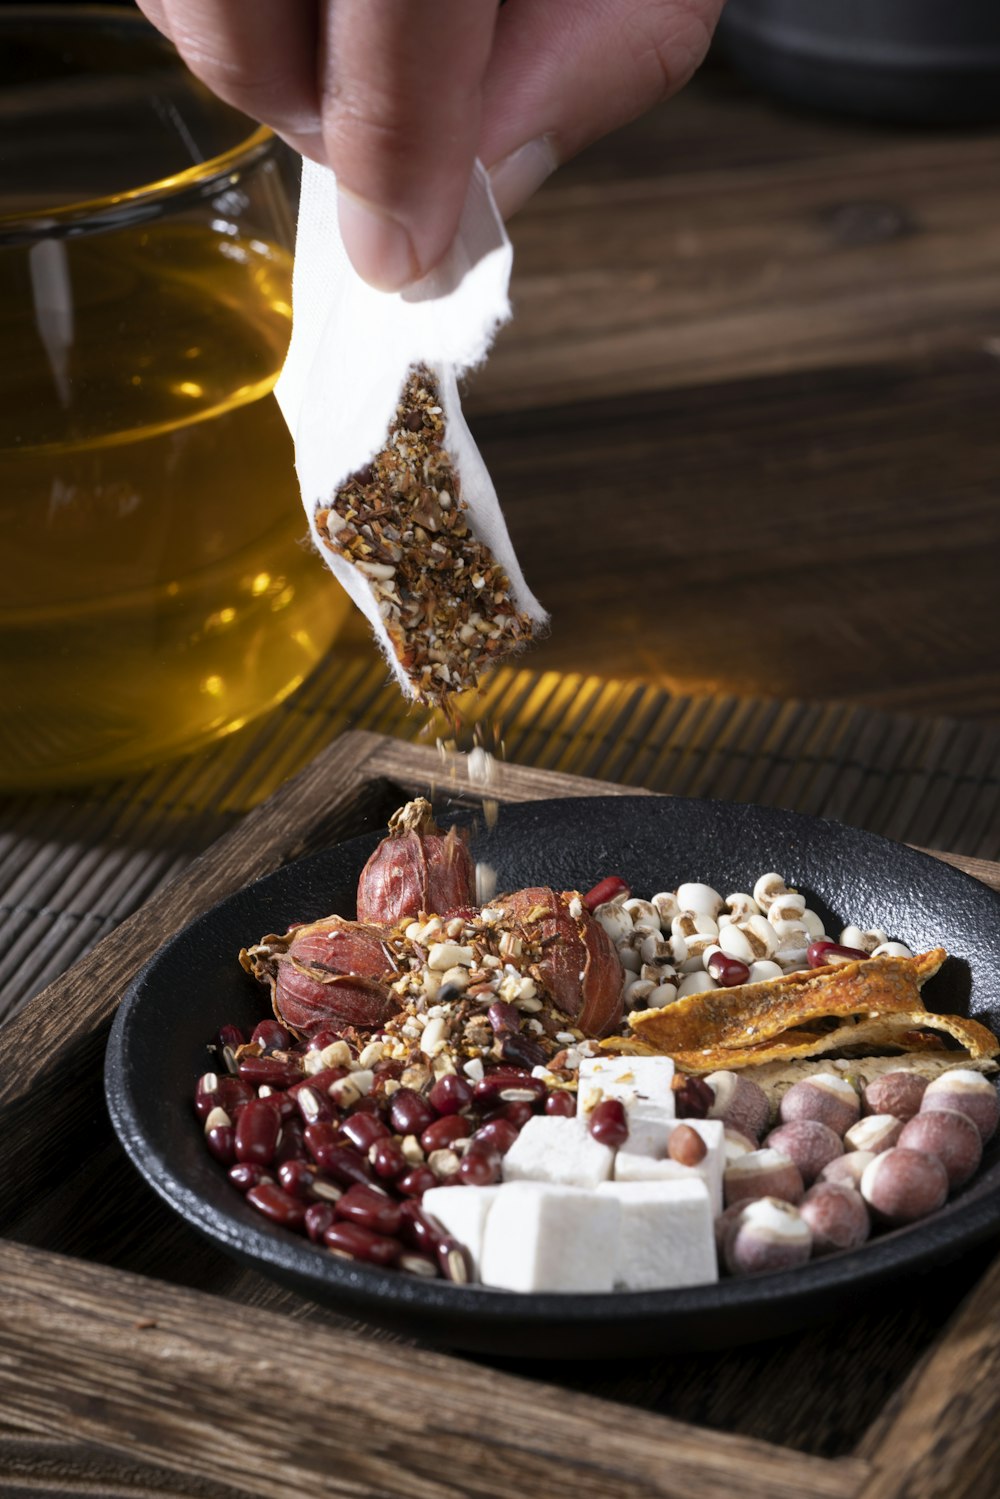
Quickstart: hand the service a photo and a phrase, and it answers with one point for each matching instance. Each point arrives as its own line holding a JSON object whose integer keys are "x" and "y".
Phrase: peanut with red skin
{"x": 686, "y": 1146}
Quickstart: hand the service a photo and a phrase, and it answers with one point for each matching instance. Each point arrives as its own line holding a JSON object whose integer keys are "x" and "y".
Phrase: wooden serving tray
{"x": 136, "y": 1360}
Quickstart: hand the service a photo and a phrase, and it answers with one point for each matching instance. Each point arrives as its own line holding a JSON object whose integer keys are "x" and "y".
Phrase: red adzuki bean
{"x": 269, "y": 1070}
{"x": 728, "y": 971}
{"x": 417, "y": 1230}
{"x": 500, "y": 1134}
{"x": 821, "y": 953}
{"x": 607, "y": 889}
{"x": 454, "y": 1261}
{"x": 207, "y": 1096}
{"x": 416, "y": 1182}
{"x": 229, "y": 1035}
{"x": 281, "y": 1102}
{"x": 277, "y": 1205}
{"x": 319, "y": 1216}
{"x": 450, "y": 1094}
{"x": 608, "y": 1123}
{"x": 387, "y": 1160}
{"x": 356, "y": 1243}
{"x": 363, "y": 1129}
{"x": 221, "y": 1141}
{"x": 271, "y": 1035}
{"x": 234, "y": 1093}
{"x": 490, "y": 1090}
{"x": 323, "y": 1080}
{"x": 257, "y": 1131}
{"x": 372, "y": 1209}
{"x": 480, "y": 1168}
{"x": 292, "y": 1145}
{"x": 409, "y": 1114}
{"x": 516, "y": 1114}
{"x": 369, "y": 1104}
{"x": 694, "y": 1098}
{"x": 322, "y": 1039}
{"x": 311, "y": 1103}
{"x": 443, "y": 1133}
{"x": 246, "y": 1174}
{"x": 503, "y": 1016}
{"x": 562, "y": 1104}
{"x": 523, "y": 1051}
{"x": 297, "y": 1177}
{"x": 340, "y": 1161}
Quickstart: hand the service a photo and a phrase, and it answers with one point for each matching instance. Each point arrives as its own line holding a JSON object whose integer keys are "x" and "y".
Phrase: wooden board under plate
{"x": 137, "y": 1360}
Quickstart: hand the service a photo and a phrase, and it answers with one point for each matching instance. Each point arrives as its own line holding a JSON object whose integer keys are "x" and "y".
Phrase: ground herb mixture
{"x": 444, "y": 599}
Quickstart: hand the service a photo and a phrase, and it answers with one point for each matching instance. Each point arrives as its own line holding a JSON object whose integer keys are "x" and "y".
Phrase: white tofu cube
{"x": 545, "y": 1238}
{"x": 557, "y": 1150}
{"x": 462, "y": 1212}
{"x": 641, "y": 1084}
{"x": 667, "y": 1238}
{"x": 644, "y": 1156}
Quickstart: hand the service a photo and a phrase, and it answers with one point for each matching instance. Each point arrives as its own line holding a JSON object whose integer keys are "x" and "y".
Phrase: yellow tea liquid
{"x": 157, "y": 587}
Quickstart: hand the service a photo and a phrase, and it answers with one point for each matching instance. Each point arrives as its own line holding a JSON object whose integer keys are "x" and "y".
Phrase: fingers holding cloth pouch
{"x": 399, "y": 502}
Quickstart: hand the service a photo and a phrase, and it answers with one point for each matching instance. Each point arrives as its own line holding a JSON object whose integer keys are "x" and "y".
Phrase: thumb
{"x": 400, "y": 84}
{"x": 563, "y": 74}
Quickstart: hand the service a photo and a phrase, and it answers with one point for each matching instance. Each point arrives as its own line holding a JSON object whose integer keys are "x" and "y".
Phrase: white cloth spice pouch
{"x": 350, "y": 352}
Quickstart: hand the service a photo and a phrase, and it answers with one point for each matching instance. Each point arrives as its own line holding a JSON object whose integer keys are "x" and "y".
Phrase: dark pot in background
{"x": 923, "y": 61}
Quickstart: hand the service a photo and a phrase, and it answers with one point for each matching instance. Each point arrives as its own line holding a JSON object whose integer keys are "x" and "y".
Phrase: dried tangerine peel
{"x": 847, "y": 1039}
{"x": 748, "y": 1014}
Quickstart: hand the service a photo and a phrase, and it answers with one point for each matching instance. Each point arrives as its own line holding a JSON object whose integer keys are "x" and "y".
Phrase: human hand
{"x": 400, "y": 96}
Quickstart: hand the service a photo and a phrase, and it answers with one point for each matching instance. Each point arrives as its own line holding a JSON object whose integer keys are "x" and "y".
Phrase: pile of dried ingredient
{"x": 473, "y": 996}
{"x": 444, "y": 599}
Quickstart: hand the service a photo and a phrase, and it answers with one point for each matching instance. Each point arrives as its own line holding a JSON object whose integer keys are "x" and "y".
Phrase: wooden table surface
{"x": 745, "y": 421}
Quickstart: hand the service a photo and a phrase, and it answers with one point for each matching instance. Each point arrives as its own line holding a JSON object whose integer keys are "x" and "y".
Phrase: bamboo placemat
{"x": 73, "y": 865}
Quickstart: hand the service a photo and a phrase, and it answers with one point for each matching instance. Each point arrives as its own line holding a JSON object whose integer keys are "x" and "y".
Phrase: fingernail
{"x": 515, "y": 177}
{"x": 379, "y": 247}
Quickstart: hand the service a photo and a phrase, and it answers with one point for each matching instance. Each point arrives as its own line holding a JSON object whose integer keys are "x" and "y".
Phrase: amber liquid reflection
{"x": 157, "y": 588}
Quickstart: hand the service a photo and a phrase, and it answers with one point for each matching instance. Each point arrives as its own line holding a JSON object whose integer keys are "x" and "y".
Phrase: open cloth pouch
{"x": 399, "y": 501}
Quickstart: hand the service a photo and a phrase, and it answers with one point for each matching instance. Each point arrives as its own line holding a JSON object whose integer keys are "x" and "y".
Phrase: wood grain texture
{"x": 743, "y": 421}
{"x": 823, "y": 536}
{"x": 317, "y": 1412}
{"x": 940, "y": 1438}
{"x": 37, "y": 1465}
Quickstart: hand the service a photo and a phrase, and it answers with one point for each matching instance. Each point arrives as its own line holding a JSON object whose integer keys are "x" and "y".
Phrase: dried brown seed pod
{"x": 969, "y": 1093}
{"x": 416, "y": 870}
{"x": 949, "y": 1135}
{"x": 837, "y": 1216}
{"x": 579, "y": 968}
{"x": 768, "y": 1235}
{"x": 808, "y": 1143}
{"x": 825, "y": 1098}
{"x": 739, "y": 1102}
{"x": 874, "y": 1133}
{"x": 762, "y": 1173}
{"x": 901, "y": 1185}
{"x": 899, "y": 1093}
{"x": 326, "y": 974}
{"x": 847, "y": 1170}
